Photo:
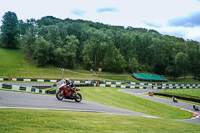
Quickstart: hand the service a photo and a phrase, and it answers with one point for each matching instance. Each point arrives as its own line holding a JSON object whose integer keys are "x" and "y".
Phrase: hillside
{"x": 14, "y": 65}
{"x": 75, "y": 44}
{"x": 86, "y": 44}
{"x": 12, "y": 61}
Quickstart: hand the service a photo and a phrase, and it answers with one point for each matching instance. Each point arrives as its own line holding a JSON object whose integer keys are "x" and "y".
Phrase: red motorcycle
{"x": 65, "y": 92}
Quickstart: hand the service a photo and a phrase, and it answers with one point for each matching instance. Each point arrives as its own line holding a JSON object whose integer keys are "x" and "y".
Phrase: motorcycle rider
{"x": 69, "y": 83}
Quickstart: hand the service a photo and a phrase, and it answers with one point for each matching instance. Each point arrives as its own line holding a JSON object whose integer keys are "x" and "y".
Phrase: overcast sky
{"x": 180, "y": 18}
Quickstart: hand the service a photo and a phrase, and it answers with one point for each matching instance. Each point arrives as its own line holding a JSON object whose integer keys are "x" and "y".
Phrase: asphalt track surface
{"x": 9, "y": 99}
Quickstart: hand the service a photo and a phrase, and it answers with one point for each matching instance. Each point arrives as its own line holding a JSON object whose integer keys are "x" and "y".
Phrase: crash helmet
{"x": 67, "y": 80}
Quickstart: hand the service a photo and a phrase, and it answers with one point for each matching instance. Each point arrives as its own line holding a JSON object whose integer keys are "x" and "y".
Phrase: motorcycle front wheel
{"x": 78, "y": 97}
{"x": 59, "y": 96}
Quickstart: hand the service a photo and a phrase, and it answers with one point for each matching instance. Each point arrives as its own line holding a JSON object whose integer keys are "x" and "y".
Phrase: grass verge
{"x": 189, "y": 93}
{"x": 43, "y": 121}
{"x": 180, "y": 100}
{"x": 112, "y": 97}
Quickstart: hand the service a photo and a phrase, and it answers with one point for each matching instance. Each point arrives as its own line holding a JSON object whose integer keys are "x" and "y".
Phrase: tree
{"x": 27, "y": 41}
{"x": 113, "y": 60}
{"x": 66, "y": 56}
{"x": 87, "y": 54}
{"x": 95, "y": 46}
{"x": 142, "y": 42}
{"x": 41, "y": 52}
{"x": 182, "y": 63}
{"x": 48, "y": 20}
{"x": 193, "y": 51}
{"x": 132, "y": 65}
{"x": 26, "y": 26}
{"x": 160, "y": 67}
{"x": 172, "y": 71}
{"x": 9, "y": 31}
{"x": 125, "y": 42}
{"x": 71, "y": 48}
{"x": 53, "y": 36}
{"x": 60, "y": 57}
{"x": 22, "y": 27}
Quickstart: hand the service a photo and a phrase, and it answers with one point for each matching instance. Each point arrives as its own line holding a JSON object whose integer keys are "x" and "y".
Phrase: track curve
{"x": 181, "y": 105}
{"x": 9, "y": 99}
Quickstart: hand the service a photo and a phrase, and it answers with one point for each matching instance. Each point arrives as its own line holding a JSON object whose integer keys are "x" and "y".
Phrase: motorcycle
{"x": 65, "y": 92}
{"x": 174, "y": 99}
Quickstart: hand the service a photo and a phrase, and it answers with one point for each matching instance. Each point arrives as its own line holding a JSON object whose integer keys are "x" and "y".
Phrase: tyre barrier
{"x": 36, "y": 90}
{"x": 115, "y": 84}
{"x": 46, "y": 80}
{"x": 29, "y": 80}
{"x": 179, "y": 97}
{"x": 123, "y": 86}
{"x": 21, "y": 88}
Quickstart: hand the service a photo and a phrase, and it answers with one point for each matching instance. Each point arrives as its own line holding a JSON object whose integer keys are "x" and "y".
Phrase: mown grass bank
{"x": 190, "y": 93}
{"x": 14, "y": 65}
{"x": 112, "y": 97}
{"x": 43, "y": 121}
{"x": 186, "y": 95}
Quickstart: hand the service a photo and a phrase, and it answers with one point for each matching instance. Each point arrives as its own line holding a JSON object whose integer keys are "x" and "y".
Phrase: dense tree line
{"x": 78, "y": 43}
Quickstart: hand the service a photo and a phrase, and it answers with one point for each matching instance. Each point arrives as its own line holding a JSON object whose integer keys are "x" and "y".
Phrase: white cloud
{"x": 78, "y": 12}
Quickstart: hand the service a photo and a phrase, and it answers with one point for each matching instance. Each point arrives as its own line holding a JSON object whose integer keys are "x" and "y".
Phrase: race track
{"x": 9, "y": 99}
{"x": 183, "y": 105}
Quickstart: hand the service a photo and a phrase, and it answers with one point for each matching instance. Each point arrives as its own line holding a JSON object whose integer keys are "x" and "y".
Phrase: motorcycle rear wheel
{"x": 78, "y": 98}
{"x": 59, "y": 96}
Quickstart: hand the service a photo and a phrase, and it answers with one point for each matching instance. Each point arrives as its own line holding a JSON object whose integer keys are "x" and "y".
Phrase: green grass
{"x": 180, "y": 100}
{"x": 14, "y": 65}
{"x": 119, "y": 77}
{"x": 183, "y": 80}
{"x": 43, "y": 121}
{"x": 189, "y": 93}
{"x": 51, "y": 88}
{"x": 112, "y": 97}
